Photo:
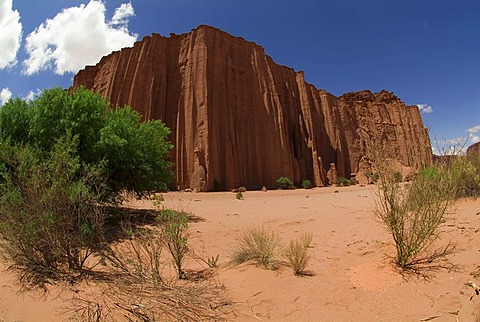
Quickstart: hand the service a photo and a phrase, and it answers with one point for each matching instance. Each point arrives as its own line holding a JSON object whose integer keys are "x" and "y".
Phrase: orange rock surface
{"x": 474, "y": 150}
{"x": 239, "y": 119}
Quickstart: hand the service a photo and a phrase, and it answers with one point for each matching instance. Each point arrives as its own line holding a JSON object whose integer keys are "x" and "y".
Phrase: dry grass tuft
{"x": 297, "y": 255}
{"x": 258, "y": 244}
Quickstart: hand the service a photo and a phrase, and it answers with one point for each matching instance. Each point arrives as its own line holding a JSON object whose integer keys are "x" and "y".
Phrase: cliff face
{"x": 474, "y": 150}
{"x": 239, "y": 119}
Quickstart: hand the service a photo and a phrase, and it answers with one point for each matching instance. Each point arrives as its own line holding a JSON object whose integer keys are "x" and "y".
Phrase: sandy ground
{"x": 351, "y": 275}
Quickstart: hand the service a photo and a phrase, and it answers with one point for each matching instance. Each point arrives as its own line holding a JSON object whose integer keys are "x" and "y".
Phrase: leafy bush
{"x": 352, "y": 181}
{"x": 297, "y": 255}
{"x": 258, "y": 244}
{"x": 242, "y": 189}
{"x": 49, "y": 218}
{"x": 174, "y": 235}
{"x": 132, "y": 153}
{"x": 307, "y": 184}
{"x": 239, "y": 195}
{"x": 285, "y": 183}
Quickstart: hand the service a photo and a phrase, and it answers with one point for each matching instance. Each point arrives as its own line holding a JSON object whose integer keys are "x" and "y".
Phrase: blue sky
{"x": 425, "y": 51}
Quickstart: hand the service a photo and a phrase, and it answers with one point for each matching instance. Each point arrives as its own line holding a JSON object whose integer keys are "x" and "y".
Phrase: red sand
{"x": 352, "y": 276}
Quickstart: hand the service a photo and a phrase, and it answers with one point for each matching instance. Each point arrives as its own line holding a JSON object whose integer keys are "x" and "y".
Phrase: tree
{"x": 133, "y": 153}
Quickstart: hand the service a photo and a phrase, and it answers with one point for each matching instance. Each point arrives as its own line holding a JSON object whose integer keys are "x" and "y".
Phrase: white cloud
{"x": 32, "y": 95}
{"x": 474, "y": 134}
{"x": 10, "y": 34}
{"x": 5, "y": 95}
{"x": 76, "y": 37}
{"x": 122, "y": 14}
{"x": 424, "y": 108}
{"x": 455, "y": 146}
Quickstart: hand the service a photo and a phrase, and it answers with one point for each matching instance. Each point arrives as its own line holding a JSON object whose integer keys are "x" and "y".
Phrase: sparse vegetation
{"x": 397, "y": 176}
{"x": 258, "y": 244}
{"x": 285, "y": 183}
{"x": 306, "y": 239}
{"x": 134, "y": 287}
{"x": 413, "y": 213}
{"x": 49, "y": 221}
{"x": 307, "y": 184}
{"x": 174, "y": 235}
{"x": 239, "y": 195}
{"x": 466, "y": 173}
{"x": 373, "y": 176}
{"x": 297, "y": 255}
{"x": 343, "y": 182}
{"x": 242, "y": 189}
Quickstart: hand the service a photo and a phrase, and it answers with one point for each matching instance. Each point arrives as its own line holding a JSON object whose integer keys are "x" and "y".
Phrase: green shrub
{"x": 132, "y": 152}
{"x": 341, "y": 181}
{"x": 242, "y": 189}
{"x": 174, "y": 235}
{"x": 352, "y": 181}
{"x": 466, "y": 173}
{"x": 413, "y": 213}
{"x": 307, "y": 184}
{"x": 50, "y": 221}
{"x": 285, "y": 183}
{"x": 239, "y": 195}
{"x": 258, "y": 244}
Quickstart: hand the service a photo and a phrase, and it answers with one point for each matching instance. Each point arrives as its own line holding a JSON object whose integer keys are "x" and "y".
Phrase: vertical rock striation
{"x": 239, "y": 119}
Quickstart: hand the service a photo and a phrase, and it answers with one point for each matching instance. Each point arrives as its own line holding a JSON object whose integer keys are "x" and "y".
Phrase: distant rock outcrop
{"x": 239, "y": 119}
{"x": 474, "y": 150}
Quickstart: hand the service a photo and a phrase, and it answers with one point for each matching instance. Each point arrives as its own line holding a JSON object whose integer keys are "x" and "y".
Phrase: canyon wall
{"x": 239, "y": 119}
{"x": 474, "y": 150}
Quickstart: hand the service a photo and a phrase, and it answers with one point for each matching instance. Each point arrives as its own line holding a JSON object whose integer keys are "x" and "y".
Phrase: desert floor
{"x": 351, "y": 275}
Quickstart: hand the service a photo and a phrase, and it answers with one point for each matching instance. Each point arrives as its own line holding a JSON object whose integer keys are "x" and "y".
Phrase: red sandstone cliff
{"x": 474, "y": 150}
{"x": 239, "y": 119}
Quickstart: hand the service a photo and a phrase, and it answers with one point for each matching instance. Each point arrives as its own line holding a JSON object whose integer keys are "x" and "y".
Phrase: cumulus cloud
{"x": 121, "y": 15}
{"x": 5, "y": 95}
{"x": 10, "y": 34}
{"x": 425, "y": 108}
{"x": 32, "y": 95}
{"x": 76, "y": 37}
{"x": 474, "y": 134}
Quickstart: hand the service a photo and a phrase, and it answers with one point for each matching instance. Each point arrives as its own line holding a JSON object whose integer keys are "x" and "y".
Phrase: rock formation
{"x": 239, "y": 119}
{"x": 474, "y": 150}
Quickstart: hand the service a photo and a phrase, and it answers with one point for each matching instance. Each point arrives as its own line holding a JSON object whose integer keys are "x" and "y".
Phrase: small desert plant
{"x": 341, "y": 181}
{"x": 297, "y": 255}
{"x": 306, "y": 239}
{"x": 373, "y": 176}
{"x": 466, "y": 173}
{"x": 239, "y": 195}
{"x": 397, "y": 176}
{"x": 413, "y": 213}
{"x": 352, "y": 181}
{"x": 242, "y": 189}
{"x": 174, "y": 235}
{"x": 259, "y": 244}
{"x": 307, "y": 184}
{"x": 285, "y": 183}
{"x": 210, "y": 261}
